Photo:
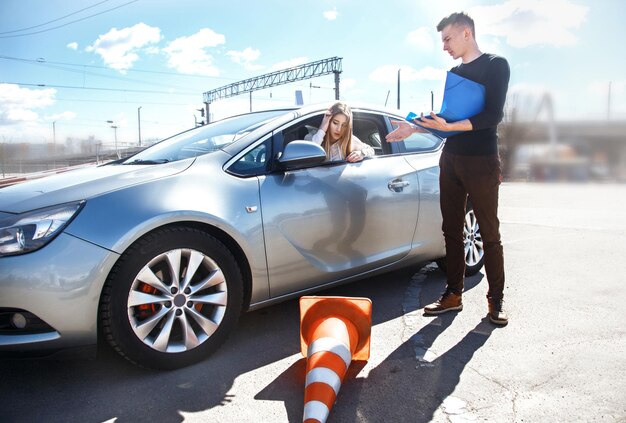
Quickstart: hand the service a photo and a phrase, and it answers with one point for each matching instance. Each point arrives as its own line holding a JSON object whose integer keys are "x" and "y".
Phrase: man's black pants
{"x": 479, "y": 177}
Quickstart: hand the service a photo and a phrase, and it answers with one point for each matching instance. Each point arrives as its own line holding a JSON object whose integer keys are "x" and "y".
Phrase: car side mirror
{"x": 301, "y": 154}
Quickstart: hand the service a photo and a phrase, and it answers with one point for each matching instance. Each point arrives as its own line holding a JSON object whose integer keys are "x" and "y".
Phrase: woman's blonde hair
{"x": 345, "y": 141}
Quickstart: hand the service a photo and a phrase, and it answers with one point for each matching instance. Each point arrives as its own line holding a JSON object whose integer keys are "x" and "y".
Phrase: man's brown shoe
{"x": 496, "y": 314}
{"x": 449, "y": 301}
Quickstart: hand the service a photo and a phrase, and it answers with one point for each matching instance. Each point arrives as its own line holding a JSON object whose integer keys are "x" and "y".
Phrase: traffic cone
{"x": 333, "y": 332}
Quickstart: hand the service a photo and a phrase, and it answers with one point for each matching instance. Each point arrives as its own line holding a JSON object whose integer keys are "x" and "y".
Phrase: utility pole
{"x": 608, "y": 110}
{"x": 398, "y": 89}
{"x": 115, "y": 131}
{"x": 117, "y": 153}
{"x": 2, "y": 156}
{"x": 139, "y": 123}
{"x": 54, "y": 144}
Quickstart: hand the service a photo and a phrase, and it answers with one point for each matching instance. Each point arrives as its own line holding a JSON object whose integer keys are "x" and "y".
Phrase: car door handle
{"x": 397, "y": 185}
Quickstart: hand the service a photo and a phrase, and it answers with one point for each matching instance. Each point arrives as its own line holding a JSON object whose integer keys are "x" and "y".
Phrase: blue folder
{"x": 462, "y": 99}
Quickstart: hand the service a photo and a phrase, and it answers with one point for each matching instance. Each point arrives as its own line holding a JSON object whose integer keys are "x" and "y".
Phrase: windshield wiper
{"x": 148, "y": 162}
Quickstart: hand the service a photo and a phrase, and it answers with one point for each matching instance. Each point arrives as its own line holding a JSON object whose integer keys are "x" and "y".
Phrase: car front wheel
{"x": 171, "y": 299}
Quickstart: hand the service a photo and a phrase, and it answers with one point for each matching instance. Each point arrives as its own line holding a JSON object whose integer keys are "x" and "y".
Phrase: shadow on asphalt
{"x": 111, "y": 388}
{"x": 430, "y": 384}
{"x": 379, "y": 396}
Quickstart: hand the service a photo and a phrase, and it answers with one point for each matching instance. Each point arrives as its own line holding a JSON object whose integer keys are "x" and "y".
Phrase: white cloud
{"x": 348, "y": 83}
{"x": 525, "y": 23}
{"x": 246, "y": 57}
{"x": 16, "y": 103}
{"x": 349, "y": 88}
{"x": 73, "y": 45}
{"x": 152, "y": 50}
{"x": 331, "y": 15}
{"x": 290, "y": 63}
{"x": 389, "y": 74}
{"x": 118, "y": 48}
{"x": 421, "y": 38}
{"x": 61, "y": 116}
{"x": 189, "y": 54}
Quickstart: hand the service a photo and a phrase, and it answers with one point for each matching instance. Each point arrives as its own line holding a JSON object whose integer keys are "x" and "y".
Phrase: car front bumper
{"x": 55, "y": 291}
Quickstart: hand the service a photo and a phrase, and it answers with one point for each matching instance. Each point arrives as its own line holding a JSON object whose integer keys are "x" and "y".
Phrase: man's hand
{"x": 404, "y": 129}
{"x": 436, "y": 122}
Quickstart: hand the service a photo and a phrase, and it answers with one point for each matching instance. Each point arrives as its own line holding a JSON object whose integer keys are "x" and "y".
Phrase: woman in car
{"x": 335, "y": 135}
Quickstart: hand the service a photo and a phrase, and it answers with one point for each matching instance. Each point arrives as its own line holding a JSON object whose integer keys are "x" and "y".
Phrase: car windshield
{"x": 203, "y": 140}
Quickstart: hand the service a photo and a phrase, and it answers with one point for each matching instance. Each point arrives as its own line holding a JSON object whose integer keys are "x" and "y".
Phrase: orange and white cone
{"x": 333, "y": 332}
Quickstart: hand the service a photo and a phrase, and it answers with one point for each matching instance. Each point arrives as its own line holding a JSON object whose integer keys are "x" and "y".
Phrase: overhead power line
{"x": 43, "y": 61}
{"x": 68, "y": 23}
{"x": 135, "y": 102}
{"x": 84, "y": 72}
{"x": 54, "y": 20}
{"x": 99, "y": 89}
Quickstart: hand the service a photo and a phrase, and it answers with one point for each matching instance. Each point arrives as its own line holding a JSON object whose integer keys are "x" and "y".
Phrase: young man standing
{"x": 469, "y": 165}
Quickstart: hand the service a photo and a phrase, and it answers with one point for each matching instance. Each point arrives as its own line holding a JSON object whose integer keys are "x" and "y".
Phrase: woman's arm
{"x": 318, "y": 137}
{"x": 358, "y": 145}
{"x": 359, "y": 150}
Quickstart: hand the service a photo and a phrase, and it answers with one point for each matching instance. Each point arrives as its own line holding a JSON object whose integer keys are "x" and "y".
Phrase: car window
{"x": 367, "y": 128}
{"x": 302, "y": 130}
{"x": 419, "y": 142}
{"x": 416, "y": 143}
{"x": 254, "y": 161}
{"x": 204, "y": 139}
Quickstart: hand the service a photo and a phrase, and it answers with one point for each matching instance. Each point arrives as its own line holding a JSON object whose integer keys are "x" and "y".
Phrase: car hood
{"x": 82, "y": 184}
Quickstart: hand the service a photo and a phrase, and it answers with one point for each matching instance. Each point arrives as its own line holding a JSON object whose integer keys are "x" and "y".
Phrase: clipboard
{"x": 462, "y": 99}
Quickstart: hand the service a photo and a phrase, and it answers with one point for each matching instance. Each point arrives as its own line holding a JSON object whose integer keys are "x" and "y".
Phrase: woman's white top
{"x": 335, "y": 149}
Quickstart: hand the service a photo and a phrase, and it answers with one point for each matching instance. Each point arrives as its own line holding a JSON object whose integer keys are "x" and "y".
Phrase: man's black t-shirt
{"x": 493, "y": 72}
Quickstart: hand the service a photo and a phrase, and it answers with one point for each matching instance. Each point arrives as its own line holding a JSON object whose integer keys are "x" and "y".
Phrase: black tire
{"x": 148, "y": 320}
{"x": 474, "y": 252}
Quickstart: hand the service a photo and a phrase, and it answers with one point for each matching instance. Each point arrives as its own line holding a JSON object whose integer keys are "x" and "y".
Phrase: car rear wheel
{"x": 473, "y": 244}
{"x": 172, "y": 298}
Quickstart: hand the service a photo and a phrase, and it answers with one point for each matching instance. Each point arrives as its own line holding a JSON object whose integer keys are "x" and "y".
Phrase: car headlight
{"x": 30, "y": 231}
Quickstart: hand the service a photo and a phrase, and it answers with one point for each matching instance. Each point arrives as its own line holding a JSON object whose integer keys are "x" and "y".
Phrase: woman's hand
{"x": 355, "y": 156}
{"x": 326, "y": 120}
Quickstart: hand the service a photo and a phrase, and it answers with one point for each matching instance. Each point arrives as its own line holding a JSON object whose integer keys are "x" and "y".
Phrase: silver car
{"x": 160, "y": 253}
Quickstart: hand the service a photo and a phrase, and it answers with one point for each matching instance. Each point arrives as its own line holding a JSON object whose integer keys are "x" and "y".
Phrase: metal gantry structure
{"x": 285, "y": 76}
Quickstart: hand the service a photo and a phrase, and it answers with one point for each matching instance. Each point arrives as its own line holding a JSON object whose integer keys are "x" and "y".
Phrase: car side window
{"x": 367, "y": 129}
{"x": 254, "y": 161}
{"x": 303, "y": 130}
{"x": 416, "y": 143}
{"x": 419, "y": 142}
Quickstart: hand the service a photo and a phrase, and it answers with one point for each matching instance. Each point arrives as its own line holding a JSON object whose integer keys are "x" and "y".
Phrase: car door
{"x": 335, "y": 220}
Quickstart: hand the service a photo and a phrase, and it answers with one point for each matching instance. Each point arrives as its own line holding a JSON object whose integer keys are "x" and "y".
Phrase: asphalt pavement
{"x": 561, "y": 358}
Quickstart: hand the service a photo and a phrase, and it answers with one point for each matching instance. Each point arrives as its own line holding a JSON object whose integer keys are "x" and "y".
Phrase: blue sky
{"x": 81, "y": 63}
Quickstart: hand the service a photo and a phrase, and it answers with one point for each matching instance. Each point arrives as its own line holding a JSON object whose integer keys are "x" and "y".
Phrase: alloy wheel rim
{"x": 177, "y": 300}
{"x": 473, "y": 241}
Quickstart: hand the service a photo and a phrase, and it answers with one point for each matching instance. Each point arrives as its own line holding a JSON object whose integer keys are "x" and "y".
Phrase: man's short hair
{"x": 461, "y": 18}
